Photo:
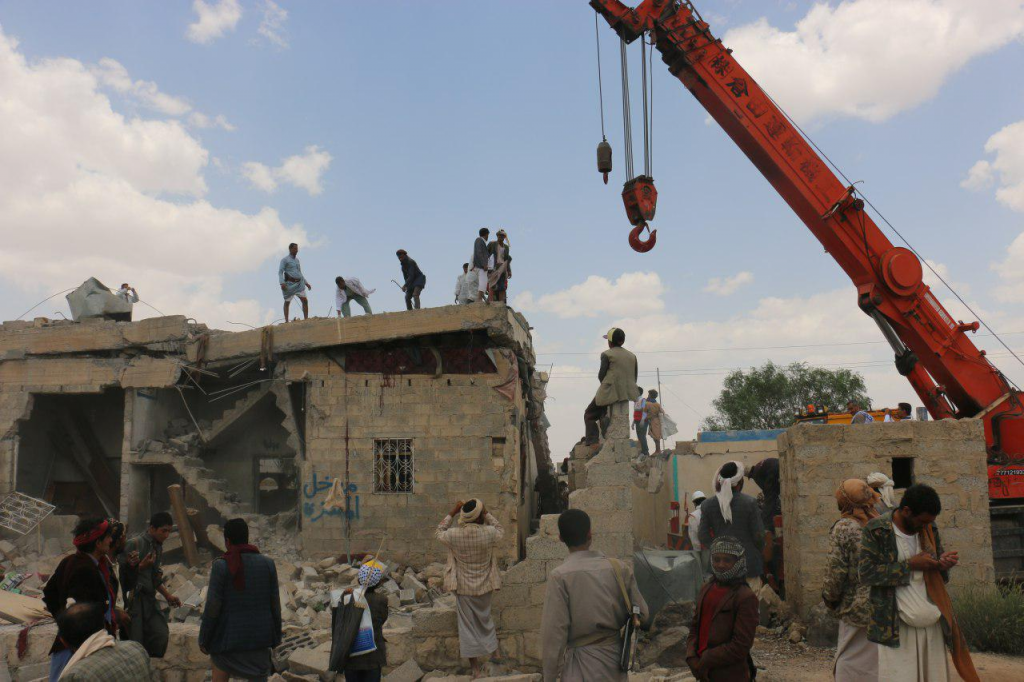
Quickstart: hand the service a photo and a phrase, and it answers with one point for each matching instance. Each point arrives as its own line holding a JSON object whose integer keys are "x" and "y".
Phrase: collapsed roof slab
{"x": 501, "y": 323}
{"x": 56, "y": 337}
{"x": 87, "y": 375}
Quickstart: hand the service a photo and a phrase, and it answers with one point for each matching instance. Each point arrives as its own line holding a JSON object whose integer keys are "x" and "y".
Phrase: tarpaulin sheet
{"x": 93, "y": 299}
{"x": 664, "y": 576}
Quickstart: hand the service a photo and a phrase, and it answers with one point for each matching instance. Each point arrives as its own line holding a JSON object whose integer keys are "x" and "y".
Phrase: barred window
{"x": 392, "y": 465}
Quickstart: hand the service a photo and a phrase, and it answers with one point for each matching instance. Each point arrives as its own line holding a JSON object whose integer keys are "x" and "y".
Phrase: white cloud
{"x": 85, "y": 191}
{"x": 980, "y": 176}
{"x": 1008, "y": 148}
{"x": 726, "y": 286}
{"x": 261, "y": 176}
{"x": 111, "y": 73}
{"x": 872, "y": 59}
{"x": 304, "y": 171}
{"x": 638, "y": 292}
{"x": 199, "y": 120}
{"x": 213, "y": 20}
{"x": 272, "y": 24}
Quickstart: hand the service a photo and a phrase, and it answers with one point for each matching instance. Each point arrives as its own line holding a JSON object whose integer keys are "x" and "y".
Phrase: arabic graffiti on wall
{"x": 313, "y": 508}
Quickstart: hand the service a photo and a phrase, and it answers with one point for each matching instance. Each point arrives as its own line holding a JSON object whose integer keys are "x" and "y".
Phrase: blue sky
{"x": 412, "y": 124}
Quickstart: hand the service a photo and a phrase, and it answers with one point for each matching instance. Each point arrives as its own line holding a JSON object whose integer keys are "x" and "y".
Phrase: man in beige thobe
{"x": 584, "y": 609}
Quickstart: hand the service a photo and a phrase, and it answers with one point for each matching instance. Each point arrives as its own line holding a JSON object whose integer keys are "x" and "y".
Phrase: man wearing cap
{"x": 618, "y": 374}
{"x": 693, "y": 526}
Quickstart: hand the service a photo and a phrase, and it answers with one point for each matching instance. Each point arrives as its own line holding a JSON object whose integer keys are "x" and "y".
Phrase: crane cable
{"x": 627, "y": 119}
{"x": 899, "y": 234}
{"x": 648, "y": 90}
{"x": 600, "y": 81}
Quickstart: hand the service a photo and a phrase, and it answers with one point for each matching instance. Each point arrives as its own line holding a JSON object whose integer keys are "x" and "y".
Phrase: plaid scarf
{"x": 727, "y": 544}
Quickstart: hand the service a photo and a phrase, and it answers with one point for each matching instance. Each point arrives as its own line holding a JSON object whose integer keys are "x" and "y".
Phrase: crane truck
{"x": 952, "y": 377}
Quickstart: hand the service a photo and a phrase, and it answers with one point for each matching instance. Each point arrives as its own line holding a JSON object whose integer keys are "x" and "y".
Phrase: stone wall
{"x": 183, "y": 662}
{"x": 696, "y": 462}
{"x": 815, "y": 459}
{"x": 468, "y": 440}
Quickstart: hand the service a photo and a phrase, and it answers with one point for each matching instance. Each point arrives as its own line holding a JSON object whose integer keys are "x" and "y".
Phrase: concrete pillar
{"x": 608, "y": 495}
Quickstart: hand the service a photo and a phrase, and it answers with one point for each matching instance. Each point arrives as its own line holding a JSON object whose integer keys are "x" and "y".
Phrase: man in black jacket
{"x": 481, "y": 256}
{"x": 415, "y": 280}
{"x": 731, "y": 512}
{"x": 242, "y": 619}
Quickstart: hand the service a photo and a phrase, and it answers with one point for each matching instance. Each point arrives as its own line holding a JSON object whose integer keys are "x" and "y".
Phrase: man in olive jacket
{"x": 618, "y": 376}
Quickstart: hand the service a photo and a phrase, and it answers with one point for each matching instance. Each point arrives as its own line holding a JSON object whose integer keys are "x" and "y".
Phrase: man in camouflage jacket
{"x": 882, "y": 570}
{"x": 843, "y": 592}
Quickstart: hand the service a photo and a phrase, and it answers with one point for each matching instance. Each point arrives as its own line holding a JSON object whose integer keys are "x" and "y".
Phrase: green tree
{"x": 768, "y": 397}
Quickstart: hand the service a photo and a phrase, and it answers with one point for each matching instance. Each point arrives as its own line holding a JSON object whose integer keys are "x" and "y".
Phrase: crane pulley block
{"x": 640, "y": 198}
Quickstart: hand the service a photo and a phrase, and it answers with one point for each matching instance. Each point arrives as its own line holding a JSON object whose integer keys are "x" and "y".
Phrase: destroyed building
{"x": 408, "y": 412}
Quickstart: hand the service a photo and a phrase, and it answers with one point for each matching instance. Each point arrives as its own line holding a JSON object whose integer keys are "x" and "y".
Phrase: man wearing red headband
{"x": 84, "y": 576}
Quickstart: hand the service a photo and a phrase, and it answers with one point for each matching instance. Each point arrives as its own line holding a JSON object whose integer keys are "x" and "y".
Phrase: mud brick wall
{"x": 815, "y": 459}
{"x": 468, "y": 441}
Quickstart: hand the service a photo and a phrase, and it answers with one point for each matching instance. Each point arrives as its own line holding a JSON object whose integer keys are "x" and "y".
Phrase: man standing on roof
{"x": 465, "y": 286}
{"x": 349, "y": 290}
{"x": 618, "y": 376}
{"x": 501, "y": 273}
{"x": 481, "y": 262}
{"x": 415, "y": 280}
{"x": 289, "y": 275}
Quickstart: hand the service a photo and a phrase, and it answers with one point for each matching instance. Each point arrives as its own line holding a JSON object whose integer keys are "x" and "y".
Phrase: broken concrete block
{"x": 407, "y": 597}
{"x": 216, "y": 535}
{"x": 390, "y": 587}
{"x": 324, "y": 564}
{"x": 411, "y": 583}
{"x": 394, "y": 601}
{"x": 7, "y": 549}
{"x": 308, "y": 661}
{"x": 407, "y": 672}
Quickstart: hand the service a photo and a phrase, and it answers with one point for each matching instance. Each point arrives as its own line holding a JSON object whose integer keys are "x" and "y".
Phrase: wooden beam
{"x": 92, "y": 464}
{"x": 185, "y": 532}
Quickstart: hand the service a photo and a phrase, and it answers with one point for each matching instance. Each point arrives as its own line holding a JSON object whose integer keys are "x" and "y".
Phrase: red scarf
{"x": 235, "y": 566}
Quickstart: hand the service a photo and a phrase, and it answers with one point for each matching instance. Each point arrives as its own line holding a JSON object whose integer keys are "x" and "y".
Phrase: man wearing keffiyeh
{"x": 733, "y": 513}
{"x": 242, "y": 619}
{"x": 725, "y": 619}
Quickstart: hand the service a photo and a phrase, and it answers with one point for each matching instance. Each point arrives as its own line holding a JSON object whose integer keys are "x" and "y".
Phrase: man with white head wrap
{"x": 472, "y": 574}
{"x": 731, "y": 512}
{"x": 883, "y": 485}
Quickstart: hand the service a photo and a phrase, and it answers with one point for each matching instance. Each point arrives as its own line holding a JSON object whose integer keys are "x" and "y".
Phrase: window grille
{"x": 392, "y": 465}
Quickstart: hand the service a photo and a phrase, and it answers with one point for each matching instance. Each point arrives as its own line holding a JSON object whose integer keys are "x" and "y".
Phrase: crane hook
{"x": 639, "y": 245}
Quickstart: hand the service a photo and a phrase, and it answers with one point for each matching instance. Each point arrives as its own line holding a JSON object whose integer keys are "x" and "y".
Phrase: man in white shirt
{"x": 859, "y": 415}
{"x": 640, "y": 425}
{"x": 349, "y": 290}
{"x": 896, "y": 551}
{"x": 693, "y": 526}
{"x": 903, "y": 411}
{"x": 465, "y": 286}
{"x": 127, "y": 293}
